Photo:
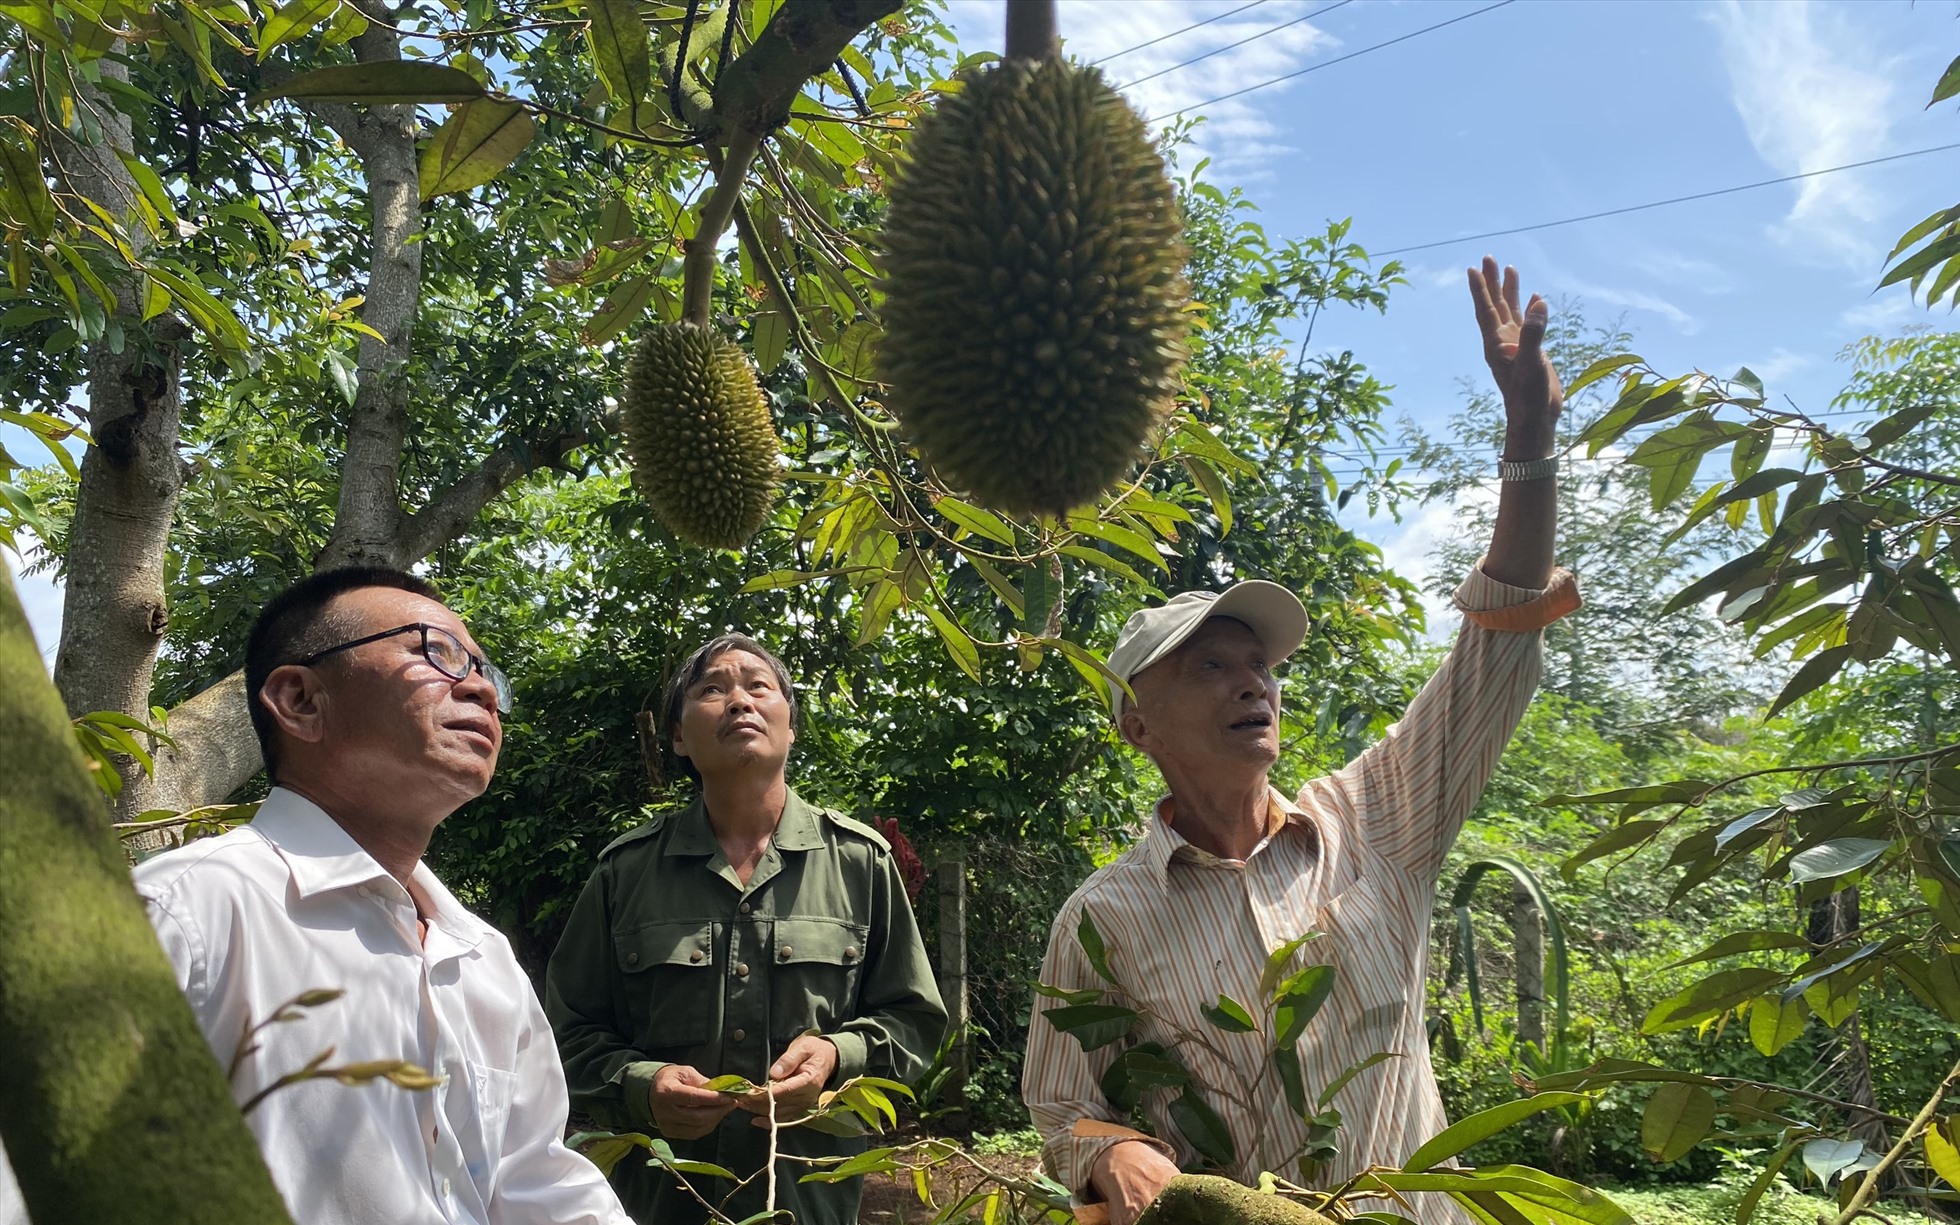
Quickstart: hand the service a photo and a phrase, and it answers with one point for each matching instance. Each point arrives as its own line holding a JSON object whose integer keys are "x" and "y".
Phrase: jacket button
{"x": 850, "y": 952}
{"x": 746, "y": 908}
{"x": 783, "y": 952}
{"x": 632, "y": 959}
{"x": 743, "y": 969}
{"x": 739, "y": 1034}
{"x": 696, "y": 956}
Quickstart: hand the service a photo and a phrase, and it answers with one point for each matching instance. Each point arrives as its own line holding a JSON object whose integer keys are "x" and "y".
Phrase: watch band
{"x": 1527, "y": 469}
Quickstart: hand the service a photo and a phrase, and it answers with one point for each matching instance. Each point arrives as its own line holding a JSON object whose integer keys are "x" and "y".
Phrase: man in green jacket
{"x": 750, "y": 933}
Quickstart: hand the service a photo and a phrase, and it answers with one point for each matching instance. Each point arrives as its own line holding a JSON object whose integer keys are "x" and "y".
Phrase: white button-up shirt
{"x": 290, "y": 904}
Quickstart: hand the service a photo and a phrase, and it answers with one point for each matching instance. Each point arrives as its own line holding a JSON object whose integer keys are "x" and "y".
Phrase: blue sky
{"x": 1537, "y": 111}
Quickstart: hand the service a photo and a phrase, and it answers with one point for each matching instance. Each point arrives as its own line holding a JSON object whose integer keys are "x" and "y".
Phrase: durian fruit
{"x": 701, "y": 441}
{"x": 1205, "y": 1199}
{"x": 1034, "y": 287}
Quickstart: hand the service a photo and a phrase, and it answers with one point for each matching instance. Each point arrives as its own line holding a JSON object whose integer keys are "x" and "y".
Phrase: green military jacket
{"x": 667, "y": 958}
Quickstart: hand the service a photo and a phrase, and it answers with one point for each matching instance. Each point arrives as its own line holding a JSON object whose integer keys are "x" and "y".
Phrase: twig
{"x": 1868, "y": 1187}
{"x": 698, "y": 275}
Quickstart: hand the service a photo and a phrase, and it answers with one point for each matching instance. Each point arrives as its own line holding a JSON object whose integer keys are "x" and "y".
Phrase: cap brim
{"x": 1267, "y": 609}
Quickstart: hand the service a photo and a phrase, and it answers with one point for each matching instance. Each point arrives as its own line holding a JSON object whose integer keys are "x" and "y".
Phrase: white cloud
{"x": 1684, "y": 271}
{"x": 1813, "y": 93}
{"x": 1634, "y": 299}
{"x": 1779, "y": 365}
{"x": 1237, "y": 134}
{"x": 1410, "y": 549}
{"x": 1889, "y": 310}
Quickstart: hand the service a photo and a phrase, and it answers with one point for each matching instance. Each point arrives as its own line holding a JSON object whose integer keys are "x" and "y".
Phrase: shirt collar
{"x": 796, "y": 830}
{"x": 1163, "y": 843}
{"x": 321, "y": 856}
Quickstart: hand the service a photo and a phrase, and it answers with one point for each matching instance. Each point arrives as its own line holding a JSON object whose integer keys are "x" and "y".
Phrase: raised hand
{"x": 1514, "y": 339}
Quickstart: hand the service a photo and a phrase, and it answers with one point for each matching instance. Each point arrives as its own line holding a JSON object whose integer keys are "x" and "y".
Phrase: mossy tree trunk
{"x": 111, "y": 1106}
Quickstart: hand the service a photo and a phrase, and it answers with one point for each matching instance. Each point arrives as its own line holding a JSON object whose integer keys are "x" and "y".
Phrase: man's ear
{"x": 293, "y": 695}
{"x": 1132, "y": 727}
{"x": 677, "y": 743}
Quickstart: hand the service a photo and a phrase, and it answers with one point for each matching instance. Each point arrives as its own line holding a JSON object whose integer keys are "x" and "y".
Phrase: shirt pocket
{"x": 817, "y": 964}
{"x": 1367, "y": 947}
{"x": 496, "y": 1091}
{"x": 668, "y": 974}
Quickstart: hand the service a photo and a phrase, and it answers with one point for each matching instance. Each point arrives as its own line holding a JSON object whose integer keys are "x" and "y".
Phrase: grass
{"x": 1714, "y": 1204}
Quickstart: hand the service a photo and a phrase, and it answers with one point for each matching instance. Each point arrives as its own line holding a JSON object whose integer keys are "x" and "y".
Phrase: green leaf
{"x": 1599, "y": 370}
{"x": 1941, "y": 1152}
{"x": 476, "y": 142}
{"x": 1213, "y": 484}
{"x": 1123, "y": 538}
{"x": 980, "y": 523}
{"x": 20, "y": 169}
{"x": 1340, "y": 1082}
{"x": 1710, "y": 997}
{"x": 769, "y": 333}
{"x": 1745, "y": 1208}
{"x": 1619, "y": 838}
{"x": 622, "y": 308}
{"x": 1949, "y": 85}
{"x": 294, "y": 19}
{"x": 1229, "y": 1015}
{"x": 1835, "y": 858}
{"x": 1754, "y": 941}
{"x": 388, "y": 82}
{"x": 1087, "y": 995}
{"x": 1687, "y": 791}
{"x": 1826, "y": 1159}
{"x": 1093, "y": 1025}
{"x": 1140, "y": 1070}
{"x": 1482, "y": 1126}
{"x": 1816, "y": 670}
{"x": 1297, "y": 1000}
{"x": 1201, "y": 1127}
{"x": 1678, "y": 1117}
{"x": 958, "y": 644}
{"x": 619, "y": 53}
{"x": 1775, "y": 1022}
{"x": 1090, "y": 941}
{"x": 1278, "y": 960}
{"x": 341, "y": 368}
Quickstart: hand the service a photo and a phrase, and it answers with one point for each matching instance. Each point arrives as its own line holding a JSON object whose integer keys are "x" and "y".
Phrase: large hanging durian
{"x": 1034, "y": 287}
{"x": 700, "y": 437}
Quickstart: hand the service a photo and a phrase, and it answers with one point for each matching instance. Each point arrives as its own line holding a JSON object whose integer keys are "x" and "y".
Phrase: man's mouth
{"x": 1261, "y": 720}
{"x": 475, "y": 727}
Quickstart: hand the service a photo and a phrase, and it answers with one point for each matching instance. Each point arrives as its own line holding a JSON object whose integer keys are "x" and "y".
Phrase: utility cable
{"x": 1174, "y": 33}
{"x": 1330, "y": 63}
{"x": 1700, "y": 195}
{"x": 1242, "y": 42}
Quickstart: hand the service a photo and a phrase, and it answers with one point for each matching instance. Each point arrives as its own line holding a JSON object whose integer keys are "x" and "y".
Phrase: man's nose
{"x": 477, "y": 688}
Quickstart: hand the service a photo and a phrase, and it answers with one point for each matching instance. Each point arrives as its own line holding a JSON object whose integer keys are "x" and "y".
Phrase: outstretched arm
{"x": 1520, "y": 551}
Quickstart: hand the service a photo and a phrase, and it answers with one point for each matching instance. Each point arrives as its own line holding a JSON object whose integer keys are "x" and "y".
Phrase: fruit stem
{"x": 1031, "y": 32}
{"x": 698, "y": 269}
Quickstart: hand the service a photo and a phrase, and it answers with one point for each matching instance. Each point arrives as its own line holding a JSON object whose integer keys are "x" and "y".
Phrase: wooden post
{"x": 1529, "y": 926}
{"x": 952, "y": 981}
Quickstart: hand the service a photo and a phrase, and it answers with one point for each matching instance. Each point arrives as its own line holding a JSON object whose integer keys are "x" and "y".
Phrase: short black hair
{"x": 695, "y": 667}
{"x": 295, "y": 623}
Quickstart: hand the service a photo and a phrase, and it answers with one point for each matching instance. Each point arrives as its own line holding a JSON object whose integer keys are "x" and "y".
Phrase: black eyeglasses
{"x": 445, "y": 653}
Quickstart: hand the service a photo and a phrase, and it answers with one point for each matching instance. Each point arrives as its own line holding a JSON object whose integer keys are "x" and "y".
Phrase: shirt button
{"x": 739, "y": 1034}
{"x": 445, "y": 1186}
{"x": 632, "y": 959}
{"x": 746, "y": 908}
{"x": 743, "y": 969}
{"x": 696, "y": 956}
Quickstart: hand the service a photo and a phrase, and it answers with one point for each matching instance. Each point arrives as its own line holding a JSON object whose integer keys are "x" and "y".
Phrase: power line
{"x": 1700, "y": 195}
{"x": 1242, "y": 42}
{"x": 1174, "y": 33}
{"x": 1330, "y": 63}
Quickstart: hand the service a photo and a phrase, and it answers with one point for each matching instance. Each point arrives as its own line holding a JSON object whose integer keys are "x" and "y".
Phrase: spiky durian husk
{"x": 1034, "y": 287}
{"x": 699, "y": 435}
{"x": 1205, "y": 1199}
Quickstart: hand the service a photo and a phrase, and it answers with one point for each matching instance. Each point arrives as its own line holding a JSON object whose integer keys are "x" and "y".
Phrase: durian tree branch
{"x": 1032, "y": 33}
{"x": 450, "y": 512}
{"x": 111, "y": 1105}
{"x": 731, "y": 172}
{"x": 754, "y": 94}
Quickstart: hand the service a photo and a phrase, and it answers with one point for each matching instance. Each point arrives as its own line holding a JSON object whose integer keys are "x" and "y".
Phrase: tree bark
{"x": 953, "y": 982}
{"x": 111, "y": 1107}
{"x": 114, "y": 609}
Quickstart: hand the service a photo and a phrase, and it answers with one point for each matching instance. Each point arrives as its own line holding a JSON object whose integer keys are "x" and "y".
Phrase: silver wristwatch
{"x": 1527, "y": 469}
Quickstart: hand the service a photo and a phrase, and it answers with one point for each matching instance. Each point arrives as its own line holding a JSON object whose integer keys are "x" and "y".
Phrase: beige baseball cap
{"x": 1270, "y": 610}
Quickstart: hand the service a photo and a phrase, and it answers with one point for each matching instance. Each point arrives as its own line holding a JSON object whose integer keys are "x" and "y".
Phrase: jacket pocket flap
{"x": 824, "y": 941}
{"x": 675, "y": 943}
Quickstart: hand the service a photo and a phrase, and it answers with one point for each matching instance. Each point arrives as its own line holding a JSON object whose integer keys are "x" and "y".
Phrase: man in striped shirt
{"x": 1230, "y": 870}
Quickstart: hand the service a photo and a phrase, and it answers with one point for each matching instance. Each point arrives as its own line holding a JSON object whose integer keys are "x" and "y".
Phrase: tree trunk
{"x": 113, "y": 606}
{"x": 111, "y": 1107}
{"x": 1529, "y": 928}
{"x": 1844, "y": 1060}
{"x": 952, "y": 981}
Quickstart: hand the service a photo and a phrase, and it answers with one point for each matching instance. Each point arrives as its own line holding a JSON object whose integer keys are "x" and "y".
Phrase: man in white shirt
{"x": 378, "y": 716}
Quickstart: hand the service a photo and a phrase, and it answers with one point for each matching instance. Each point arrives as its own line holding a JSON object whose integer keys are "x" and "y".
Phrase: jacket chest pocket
{"x": 1367, "y": 944}
{"x": 668, "y": 974}
{"x": 816, "y": 966}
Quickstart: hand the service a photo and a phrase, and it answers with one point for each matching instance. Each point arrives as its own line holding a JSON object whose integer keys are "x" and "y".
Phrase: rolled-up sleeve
{"x": 1413, "y": 791}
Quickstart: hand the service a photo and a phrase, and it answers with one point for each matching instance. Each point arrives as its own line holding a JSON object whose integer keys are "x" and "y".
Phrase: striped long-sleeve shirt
{"x": 1356, "y": 860}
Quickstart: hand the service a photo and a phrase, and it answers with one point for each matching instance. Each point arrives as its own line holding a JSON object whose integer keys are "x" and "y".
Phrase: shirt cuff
{"x": 636, "y": 1083}
{"x": 1518, "y": 610}
{"x": 1088, "y": 1140}
{"x": 852, "y": 1051}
